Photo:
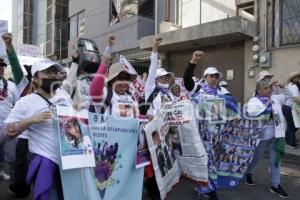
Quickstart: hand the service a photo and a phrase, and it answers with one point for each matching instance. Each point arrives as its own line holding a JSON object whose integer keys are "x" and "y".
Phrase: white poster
{"x": 75, "y": 143}
{"x": 3, "y": 29}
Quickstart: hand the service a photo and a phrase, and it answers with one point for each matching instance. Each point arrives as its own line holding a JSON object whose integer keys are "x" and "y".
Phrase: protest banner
{"x": 175, "y": 146}
{"x": 296, "y": 114}
{"x": 74, "y": 139}
{"x": 230, "y": 143}
{"x": 115, "y": 145}
{"x": 137, "y": 86}
{"x": 30, "y": 50}
{"x": 3, "y": 29}
{"x": 143, "y": 155}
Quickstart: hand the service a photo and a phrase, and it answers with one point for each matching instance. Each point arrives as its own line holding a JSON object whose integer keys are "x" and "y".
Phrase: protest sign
{"x": 175, "y": 146}
{"x": 143, "y": 155}
{"x": 74, "y": 139}
{"x": 30, "y": 50}
{"x": 296, "y": 114}
{"x": 115, "y": 145}
{"x": 137, "y": 86}
{"x": 3, "y": 29}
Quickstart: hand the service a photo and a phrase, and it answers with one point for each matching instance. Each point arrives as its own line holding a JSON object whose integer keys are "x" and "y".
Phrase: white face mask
{"x": 163, "y": 85}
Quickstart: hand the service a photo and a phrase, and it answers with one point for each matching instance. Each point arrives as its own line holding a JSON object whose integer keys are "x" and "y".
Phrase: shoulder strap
{"x": 47, "y": 101}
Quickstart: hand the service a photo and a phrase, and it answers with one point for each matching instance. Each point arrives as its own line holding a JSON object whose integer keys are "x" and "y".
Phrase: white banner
{"x": 3, "y": 29}
{"x": 175, "y": 146}
{"x": 30, "y": 50}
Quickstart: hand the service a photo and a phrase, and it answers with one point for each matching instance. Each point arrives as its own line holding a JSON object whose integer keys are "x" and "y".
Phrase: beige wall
{"x": 284, "y": 62}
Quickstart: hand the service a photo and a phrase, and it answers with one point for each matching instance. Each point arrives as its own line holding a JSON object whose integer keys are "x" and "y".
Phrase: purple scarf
{"x": 208, "y": 89}
{"x": 42, "y": 172}
{"x": 264, "y": 100}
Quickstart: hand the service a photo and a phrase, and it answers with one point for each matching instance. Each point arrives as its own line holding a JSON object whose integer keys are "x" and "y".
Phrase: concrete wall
{"x": 127, "y": 32}
{"x": 284, "y": 60}
{"x": 212, "y": 10}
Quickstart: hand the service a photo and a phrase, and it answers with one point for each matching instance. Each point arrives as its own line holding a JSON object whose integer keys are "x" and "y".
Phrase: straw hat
{"x": 293, "y": 75}
{"x": 116, "y": 69}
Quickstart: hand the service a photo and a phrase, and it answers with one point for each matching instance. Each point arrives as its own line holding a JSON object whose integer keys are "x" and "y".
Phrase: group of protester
{"x": 30, "y": 145}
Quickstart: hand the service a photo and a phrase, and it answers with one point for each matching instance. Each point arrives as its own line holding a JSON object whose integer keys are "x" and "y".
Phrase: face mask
{"x": 48, "y": 84}
{"x": 163, "y": 85}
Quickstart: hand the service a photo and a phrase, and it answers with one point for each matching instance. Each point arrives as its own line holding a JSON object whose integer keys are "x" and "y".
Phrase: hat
{"x": 116, "y": 68}
{"x": 223, "y": 83}
{"x": 263, "y": 74}
{"x": 292, "y": 76}
{"x": 162, "y": 72}
{"x": 2, "y": 63}
{"x": 43, "y": 64}
{"x": 212, "y": 70}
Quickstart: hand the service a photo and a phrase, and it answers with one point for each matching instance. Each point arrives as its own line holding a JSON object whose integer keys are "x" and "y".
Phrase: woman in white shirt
{"x": 34, "y": 113}
{"x": 294, "y": 90}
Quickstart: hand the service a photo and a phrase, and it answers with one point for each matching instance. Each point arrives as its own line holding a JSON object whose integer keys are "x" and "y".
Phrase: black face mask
{"x": 48, "y": 84}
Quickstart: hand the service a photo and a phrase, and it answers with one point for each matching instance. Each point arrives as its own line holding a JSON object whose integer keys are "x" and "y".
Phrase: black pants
{"x": 152, "y": 188}
{"x": 18, "y": 184}
{"x": 291, "y": 129}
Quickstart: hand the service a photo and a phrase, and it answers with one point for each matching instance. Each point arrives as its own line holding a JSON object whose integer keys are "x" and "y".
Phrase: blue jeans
{"x": 275, "y": 172}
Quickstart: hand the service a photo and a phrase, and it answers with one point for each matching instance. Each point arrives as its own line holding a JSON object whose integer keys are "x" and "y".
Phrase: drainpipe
{"x": 156, "y": 17}
{"x": 266, "y": 24}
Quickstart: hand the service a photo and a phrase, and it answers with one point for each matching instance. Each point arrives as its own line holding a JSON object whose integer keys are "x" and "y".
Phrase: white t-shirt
{"x": 158, "y": 102}
{"x": 42, "y": 139}
{"x": 7, "y": 102}
{"x": 294, "y": 91}
{"x": 121, "y": 105}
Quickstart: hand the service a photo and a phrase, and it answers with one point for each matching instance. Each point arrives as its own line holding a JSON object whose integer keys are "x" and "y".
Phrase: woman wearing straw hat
{"x": 292, "y": 87}
{"x": 115, "y": 98}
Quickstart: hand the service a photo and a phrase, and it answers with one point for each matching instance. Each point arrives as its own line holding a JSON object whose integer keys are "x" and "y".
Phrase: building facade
{"x": 128, "y": 20}
{"x": 43, "y": 23}
{"x": 239, "y": 37}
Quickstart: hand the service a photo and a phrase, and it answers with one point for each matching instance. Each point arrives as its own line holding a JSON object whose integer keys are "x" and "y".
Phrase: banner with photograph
{"x": 296, "y": 114}
{"x": 143, "y": 155}
{"x": 230, "y": 142}
{"x": 74, "y": 139}
{"x": 175, "y": 146}
{"x": 115, "y": 146}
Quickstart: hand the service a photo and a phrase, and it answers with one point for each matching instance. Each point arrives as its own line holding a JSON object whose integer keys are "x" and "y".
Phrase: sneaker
{"x": 4, "y": 176}
{"x": 279, "y": 191}
{"x": 292, "y": 146}
{"x": 249, "y": 180}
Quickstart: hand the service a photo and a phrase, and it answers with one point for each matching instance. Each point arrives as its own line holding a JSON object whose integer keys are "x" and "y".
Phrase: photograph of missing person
{"x": 217, "y": 110}
{"x": 173, "y": 140}
{"x": 127, "y": 110}
{"x": 74, "y": 137}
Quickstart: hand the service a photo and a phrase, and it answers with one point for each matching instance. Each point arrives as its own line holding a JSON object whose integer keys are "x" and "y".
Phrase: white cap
{"x": 212, "y": 70}
{"x": 263, "y": 74}
{"x": 223, "y": 83}
{"x": 43, "y": 64}
{"x": 162, "y": 72}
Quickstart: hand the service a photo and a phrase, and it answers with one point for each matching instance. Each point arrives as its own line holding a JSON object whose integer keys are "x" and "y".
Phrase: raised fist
{"x": 111, "y": 40}
{"x": 157, "y": 41}
{"x": 197, "y": 57}
{"x": 7, "y": 38}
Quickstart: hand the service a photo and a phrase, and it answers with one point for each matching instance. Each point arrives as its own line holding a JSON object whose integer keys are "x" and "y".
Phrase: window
{"x": 77, "y": 25}
{"x": 146, "y": 8}
{"x": 284, "y": 23}
{"x": 290, "y": 22}
{"x": 123, "y": 9}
